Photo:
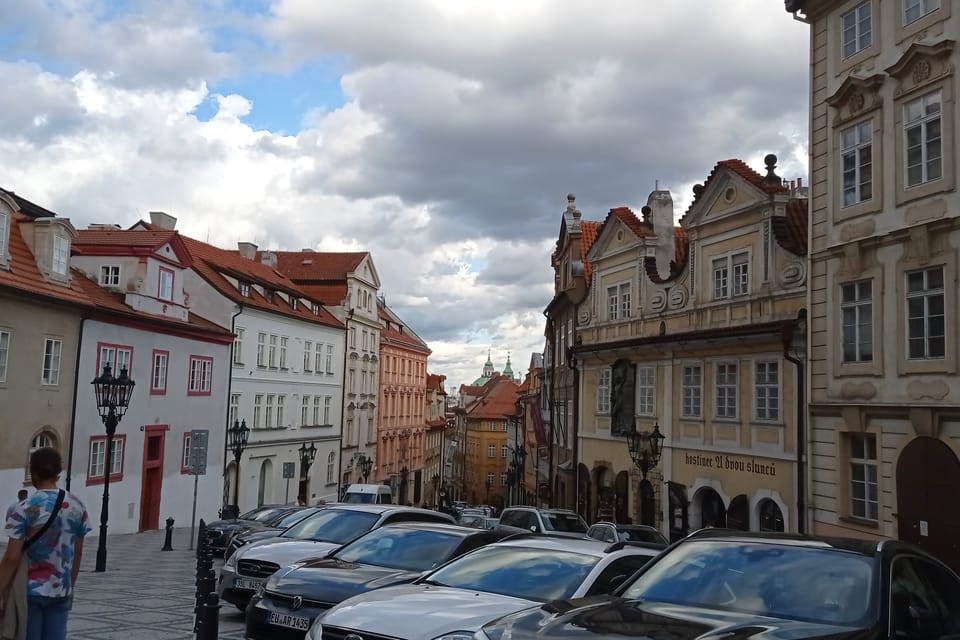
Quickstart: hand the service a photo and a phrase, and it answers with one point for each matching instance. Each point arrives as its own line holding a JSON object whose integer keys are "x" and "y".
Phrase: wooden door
{"x": 152, "y": 483}
{"x": 928, "y": 475}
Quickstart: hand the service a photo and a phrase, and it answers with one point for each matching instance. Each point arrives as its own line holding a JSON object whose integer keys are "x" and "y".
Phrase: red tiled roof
{"x": 435, "y": 381}
{"x": 331, "y": 294}
{"x": 149, "y": 239}
{"x": 394, "y": 330}
{"x": 790, "y": 230}
{"x": 743, "y": 170}
{"x": 589, "y": 230}
{"x": 629, "y": 218}
{"x": 318, "y": 265}
{"x": 681, "y": 245}
{"x": 499, "y": 401}
{"x": 24, "y": 275}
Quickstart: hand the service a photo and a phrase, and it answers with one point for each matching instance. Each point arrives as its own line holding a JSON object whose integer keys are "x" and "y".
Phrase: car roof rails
{"x": 621, "y": 544}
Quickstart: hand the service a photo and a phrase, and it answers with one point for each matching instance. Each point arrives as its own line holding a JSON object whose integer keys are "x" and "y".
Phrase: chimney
{"x": 163, "y": 220}
{"x": 660, "y": 204}
{"x": 268, "y": 258}
{"x": 103, "y": 226}
{"x": 248, "y": 250}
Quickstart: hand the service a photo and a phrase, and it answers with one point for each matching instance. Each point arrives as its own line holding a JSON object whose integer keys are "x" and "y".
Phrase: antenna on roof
{"x": 656, "y": 185}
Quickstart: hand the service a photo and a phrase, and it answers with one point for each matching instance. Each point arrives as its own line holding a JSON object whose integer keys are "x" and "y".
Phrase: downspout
{"x": 73, "y": 409}
{"x": 343, "y": 401}
{"x": 226, "y": 435}
{"x": 787, "y": 335}
{"x": 575, "y": 466}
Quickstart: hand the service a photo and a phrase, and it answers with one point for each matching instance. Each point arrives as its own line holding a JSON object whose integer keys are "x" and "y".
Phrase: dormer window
{"x": 269, "y": 295}
{"x": 316, "y": 309}
{"x": 110, "y": 275}
{"x": 165, "y": 291}
{"x": 61, "y": 255}
{"x": 293, "y": 303}
{"x": 245, "y": 289}
{"x": 4, "y": 235}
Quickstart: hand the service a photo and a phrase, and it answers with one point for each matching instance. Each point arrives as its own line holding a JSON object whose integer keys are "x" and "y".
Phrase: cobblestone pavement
{"x": 145, "y": 593}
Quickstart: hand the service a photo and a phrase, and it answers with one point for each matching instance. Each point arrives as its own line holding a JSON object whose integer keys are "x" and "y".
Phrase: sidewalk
{"x": 145, "y": 593}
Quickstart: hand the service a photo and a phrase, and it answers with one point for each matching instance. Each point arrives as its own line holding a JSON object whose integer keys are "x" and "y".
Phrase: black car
{"x": 271, "y": 528}
{"x": 393, "y": 554}
{"x": 220, "y": 531}
{"x": 771, "y": 586}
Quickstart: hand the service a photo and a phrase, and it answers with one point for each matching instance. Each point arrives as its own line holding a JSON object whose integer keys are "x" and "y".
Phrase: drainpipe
{"x": 343, "y": 400}
{"x": 73, "y": 409}
{"x": 226, "y": 435}
{"x": 787, "y": 335}
{"x": 575, "y": 466}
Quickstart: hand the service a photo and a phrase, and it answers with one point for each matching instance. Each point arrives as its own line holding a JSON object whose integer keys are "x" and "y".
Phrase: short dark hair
{"x": 45, "y": 464}
{"x": 22, "y": 495}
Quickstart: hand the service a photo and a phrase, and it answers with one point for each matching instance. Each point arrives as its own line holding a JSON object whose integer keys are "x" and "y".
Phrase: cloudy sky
{"x": 441, "y": 135}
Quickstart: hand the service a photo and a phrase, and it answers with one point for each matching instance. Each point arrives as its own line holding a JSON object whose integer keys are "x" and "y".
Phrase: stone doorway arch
{"x": 738, "y": 515}
{"x": 709, "y": 507}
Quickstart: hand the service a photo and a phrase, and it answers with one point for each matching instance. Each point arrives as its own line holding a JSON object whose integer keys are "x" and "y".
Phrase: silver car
{"x": 455, "y": 600}
{"x": 251, "y": 565}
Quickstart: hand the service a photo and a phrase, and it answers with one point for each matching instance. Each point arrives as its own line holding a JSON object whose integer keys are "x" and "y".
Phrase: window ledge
{"x": 94, "y": 480}
{"x": 863, "y": 522}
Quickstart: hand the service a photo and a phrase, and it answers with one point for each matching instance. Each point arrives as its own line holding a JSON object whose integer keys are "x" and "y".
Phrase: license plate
{"x": 247, "y": 585}
{"x": 291, "y": 622}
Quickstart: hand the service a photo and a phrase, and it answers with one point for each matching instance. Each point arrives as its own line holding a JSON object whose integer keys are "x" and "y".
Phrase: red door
{"x": 150, "y": 491}
{"x": 928, "y": 474}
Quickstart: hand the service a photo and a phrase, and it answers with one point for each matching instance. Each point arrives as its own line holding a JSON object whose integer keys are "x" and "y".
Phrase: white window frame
{"x": 331, "y": 458}
{"x": 60, "y": 257}
{"x": 726, "y": 390}
{"x": 97, "y": 458}
{"x": 924, "y": 7}
{"x": 234, "y": 409}
{"x": 283, "y": 351}
{"x": 4, "y": 235}
{"x": 238, "y": 346}
{"x": 268, "y": 411}
{"x": 856, "y": 141}
{"x": 604, "y": 377}
{"x": 261, "y": 349}
{"x": 864, "y": 459}
{"x": 923, "y": 122}
{"x": 110, "y": 275}
{"x": 281, "y": 404}
{"x": 4, "y": 353}
{"x": 613, "y": 302}
{"x": 158, "y": 372}
{"x": 318, "y": 357}
{"x": 50, "y": 369}
{"x": 766, "y": 390}
{"x": 855, "y": 304}
{"x": 272, "y": 351}
{"x": 316, "y": 409}
{"x": 731, "y": 275}
{"x": 852, "y": 32}
{"x": 691, "y": 384}
{"x": 200, "y": 380}
{"x": 491, "y": 451}
{"x": 305, "y": 411}
{"x": 327, "y": 406}
{"x": 504, "y": 450}
{"x": 307, "y": 355}
{"x": 185, "y": 453}
{"x": 257, "y": 411}
{"x": 329, "y": 367}
{"x": 646, "y": 391}
{"x": 166, "y": 284}
{"x": 928, "y": 296}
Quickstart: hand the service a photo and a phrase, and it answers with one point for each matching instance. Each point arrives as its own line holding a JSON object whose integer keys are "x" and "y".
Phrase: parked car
{"x": 454, "y": 600}
{"x": 719, "y": 584}
{"x": 553, "y": 522}
{"x": 475, "y": 520}
{"x": 221, "y": 530}
{"x": 611, "y": 532}
{"x": 395, "y": 554}
{"x": 270, "y": 529}
{"x": 491, "y": 523}
{"x": 250, "y": 566}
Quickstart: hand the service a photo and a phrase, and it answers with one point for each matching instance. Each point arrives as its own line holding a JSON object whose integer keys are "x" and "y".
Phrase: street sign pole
{"x": 289, "y": 468}
{"x": 193, "y": 515}
{"x": 197, "y": 463}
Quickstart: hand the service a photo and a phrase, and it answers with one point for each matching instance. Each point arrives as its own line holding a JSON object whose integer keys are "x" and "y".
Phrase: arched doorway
{"x": 263, "y": 491}
{"x": 928, "y": 474}
{"x": 621, "y": 504}
{"x": 738, "y": 515}
{"x": 709, "y": 508}
{"x": 770, "y": 516}
{"x": 648, "y": 504}
{"x": 605, "y": 495}
{"x": 583, "y": 491}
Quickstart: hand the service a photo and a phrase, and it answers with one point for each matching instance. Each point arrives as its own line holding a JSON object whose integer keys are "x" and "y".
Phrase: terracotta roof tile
{"x": 629, "y": 218}
{"x": 24, "y": 275}
{"x": 743, "y": 170}
{"x": 790, "y": 230}
{"x": 499, "y": 401}
{"x": 681, "y": 244}
{"x": 123, "y": 237}
{"x": 589, "y": 230}
{"x": 318, "y": 265}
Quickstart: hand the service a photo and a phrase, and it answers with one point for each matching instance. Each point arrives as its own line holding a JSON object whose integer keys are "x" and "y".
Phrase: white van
{"x": 368, "y": 494}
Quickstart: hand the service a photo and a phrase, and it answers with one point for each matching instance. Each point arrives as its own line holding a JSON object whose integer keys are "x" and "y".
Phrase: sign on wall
{"x": 289, "y": 469}
{"x": 197, "y": 457}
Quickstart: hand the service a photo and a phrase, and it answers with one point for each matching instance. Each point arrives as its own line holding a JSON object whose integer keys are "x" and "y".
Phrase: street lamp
{"x": 113, "y": 398}
{"x": 366, "y": 464}
{"x": 645, "y": 448}
{"x": 237, "y": 437}
{"x": 307, "y": 456}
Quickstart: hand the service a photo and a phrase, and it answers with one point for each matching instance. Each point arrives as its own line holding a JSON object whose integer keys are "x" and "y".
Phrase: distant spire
{"x": 508, "y": 370}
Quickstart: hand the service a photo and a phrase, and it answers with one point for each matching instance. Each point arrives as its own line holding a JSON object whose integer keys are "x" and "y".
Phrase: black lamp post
{"x": 436, "y": 488}
{"x": 113, "y": 398}
{"x": 307, "y": 456}
{"x": 366, "y": 464}
{"x": 645, "y": 448}
{"x": 237, "y": 437}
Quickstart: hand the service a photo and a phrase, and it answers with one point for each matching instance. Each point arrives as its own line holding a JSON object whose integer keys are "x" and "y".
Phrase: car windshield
{"x": 520, "y": 572}
{"x": 777, "y": 580}
{"x": 293, "y": 518}
{"x": 566, "y": 522}
{"x": 406, "y": 549}
{"x": 266, "y": 514}
{"x": 333, "y": 525}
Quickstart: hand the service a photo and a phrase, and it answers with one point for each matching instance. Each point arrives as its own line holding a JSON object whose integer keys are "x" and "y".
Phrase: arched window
{"x": 771, "y": 518}
{"x": 330, "y": 460}
{"x": 40, "y": 440}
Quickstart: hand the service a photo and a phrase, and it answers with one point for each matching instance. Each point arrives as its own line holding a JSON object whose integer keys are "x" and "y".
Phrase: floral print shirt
{"x": 49, "y": 559}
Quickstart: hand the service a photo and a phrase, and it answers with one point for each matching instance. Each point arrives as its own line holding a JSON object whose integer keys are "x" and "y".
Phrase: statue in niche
{"x": 622, "y": 397}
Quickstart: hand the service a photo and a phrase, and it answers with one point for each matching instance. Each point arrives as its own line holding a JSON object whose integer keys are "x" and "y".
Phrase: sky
{"x": 443, "y": 136}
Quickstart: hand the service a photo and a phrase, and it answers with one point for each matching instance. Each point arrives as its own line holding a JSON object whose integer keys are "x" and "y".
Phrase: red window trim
{"x": 117, "y": 346}
{"x": 183, "y": 453}
{"x": 114, "y": 477}
{"x": 157, "y": 391}
{"x": 173, "y": 283}
{"x": 190, "y": 370}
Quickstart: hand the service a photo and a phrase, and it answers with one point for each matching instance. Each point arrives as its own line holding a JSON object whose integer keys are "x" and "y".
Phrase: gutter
{"x": 76, "y": 388}
{"x": 789, "y": 329}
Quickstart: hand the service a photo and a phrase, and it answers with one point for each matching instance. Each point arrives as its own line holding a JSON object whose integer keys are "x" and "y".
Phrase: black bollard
{"x": 168, "y": 539}
{"x": 210, "y": 629}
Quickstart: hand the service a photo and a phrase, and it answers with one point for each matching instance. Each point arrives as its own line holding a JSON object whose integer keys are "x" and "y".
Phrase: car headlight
{"x": 315, "y": 632}
{"x": 231, "y": 562}
{"x": 457, "y": 635}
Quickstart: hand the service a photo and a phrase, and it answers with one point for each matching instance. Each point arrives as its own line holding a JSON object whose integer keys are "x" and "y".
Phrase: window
{"x": 234, "y": 409}
{"x": 363, "y": 340}
{"x": 327, "y": 403}
{"x": 272, "y": 352}
{"x": 185, "y": 454}
{"x": 353, "y": 338}
{"x": 165, "y": 290}
{"x": 281, "y": 402}
{"x": 258, "y": 411}
{"x": 856, "y": 312}
{"x": 4, "y": 233}
{"x": 503, "y": 479}
{"x": 490, "y": 479}
{"x": 856, "y": 151}
{"x": 201, "y": 376}
{"x": 613, "y": 303}
{"x": 51, "y": 361}
{"x": 491, "y": 451}
{"x": 261, "y": 349}
{"x": 917, "y": 584}
{"x": 692, "y": 391}
{"x": 503, "y": 427}
{"x": 330, "y": 359}
{"x": 97, "y": 460}
{"x": 925, "y": 314}
{"x": 118, "y": 356}
{"x": 646, "y": 377}
{"x": 268, "y": 413}
{"x": 737, "y": 263}
{"x": 363, "y": 382}
{"x": 61, "y": 255}
{"x": 316, "y": 409}
{"x": 283, "y": 352}
{"x": 318, "y": 358}
{"x": 307, "y": 355}
{"x": 330, "y": 460}
{"x": 863, "y": 476}
{"x": 921, "y": 127}
{"x": 305, "y": 411}
{"x": 4, "y": 354}
{"x": 245, "y": 289}
{"x": 726, "y": 391}
{"x": 767, "y": 390}
{"x": 856, "y": 29}
{"x": 603, "y": 390}
{"x": 352, "y": 381}
{"x": 238, "y": 346}
{"x": 492, "y": 426}
{"x": 158, "y": 380}
{"x": 42, "y": 439}
{"x": 504, "y": 449}
{"x": 913, "y": 10}
{"x": 110, "y": 275}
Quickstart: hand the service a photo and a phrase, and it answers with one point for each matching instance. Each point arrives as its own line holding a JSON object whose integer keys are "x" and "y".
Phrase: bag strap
{"x": 46, "y": 525}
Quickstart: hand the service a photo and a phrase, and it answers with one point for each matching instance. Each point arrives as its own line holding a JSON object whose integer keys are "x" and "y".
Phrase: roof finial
{"x": 772, "y": 178}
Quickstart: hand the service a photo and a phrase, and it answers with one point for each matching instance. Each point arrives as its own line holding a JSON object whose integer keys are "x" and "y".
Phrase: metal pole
{"x": 110, "y": 423}
{"x": 193, "y": 515}
{"x": 286, "y": 494}
{"x": 236, "y": 485}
